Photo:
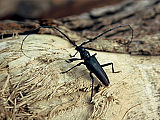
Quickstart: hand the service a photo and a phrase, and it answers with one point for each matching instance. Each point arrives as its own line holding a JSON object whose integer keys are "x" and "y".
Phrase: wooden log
{"x": 33, "y": 88}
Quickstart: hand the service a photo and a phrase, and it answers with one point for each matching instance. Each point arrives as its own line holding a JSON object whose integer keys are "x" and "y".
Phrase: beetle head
{"x": 83, "y": 53}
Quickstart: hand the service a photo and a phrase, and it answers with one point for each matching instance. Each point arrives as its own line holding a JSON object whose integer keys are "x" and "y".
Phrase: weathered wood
{"x": 142, "y": 15}
{"x": 33, "y": 88}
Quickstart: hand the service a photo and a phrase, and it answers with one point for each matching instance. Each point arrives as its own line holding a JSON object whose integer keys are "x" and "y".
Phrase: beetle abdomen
{"x": 93, "y": 65}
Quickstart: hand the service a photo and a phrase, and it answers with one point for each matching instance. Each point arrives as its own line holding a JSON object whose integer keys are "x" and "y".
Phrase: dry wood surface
{"x": 33, "y": 88}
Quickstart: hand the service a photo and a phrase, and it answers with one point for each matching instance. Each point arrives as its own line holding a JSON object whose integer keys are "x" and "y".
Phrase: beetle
{"x": 90, "y": 61}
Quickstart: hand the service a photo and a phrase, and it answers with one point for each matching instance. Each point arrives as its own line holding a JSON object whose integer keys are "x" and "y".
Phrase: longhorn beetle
{"x": 89, "y": 61}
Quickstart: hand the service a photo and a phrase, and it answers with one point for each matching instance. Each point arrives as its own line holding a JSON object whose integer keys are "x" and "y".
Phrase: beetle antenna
{"x": 30, "y": 32}
{"x": 109, "y": 31}
{"x": 62, "y": 34}
{"x": 46, "y": 27}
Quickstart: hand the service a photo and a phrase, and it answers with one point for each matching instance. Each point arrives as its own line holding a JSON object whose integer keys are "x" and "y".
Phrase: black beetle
{"x": 90, "y": 61}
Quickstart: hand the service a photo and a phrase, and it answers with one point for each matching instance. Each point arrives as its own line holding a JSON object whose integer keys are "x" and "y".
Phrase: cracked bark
{"x": 143, "y": 16}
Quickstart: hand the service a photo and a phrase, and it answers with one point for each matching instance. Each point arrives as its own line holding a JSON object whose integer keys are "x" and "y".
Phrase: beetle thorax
{"x": 83, "y": 53}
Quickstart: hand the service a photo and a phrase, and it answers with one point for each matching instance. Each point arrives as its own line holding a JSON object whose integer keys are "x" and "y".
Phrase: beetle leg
{"x": 94, "y": 54}
{"x": 112, "y": 67}
{"x": 73, "y": 67}
{"x": 92, "y": 85}
{"x": 74, "y": 54}
{"x": 72, "y": 59}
